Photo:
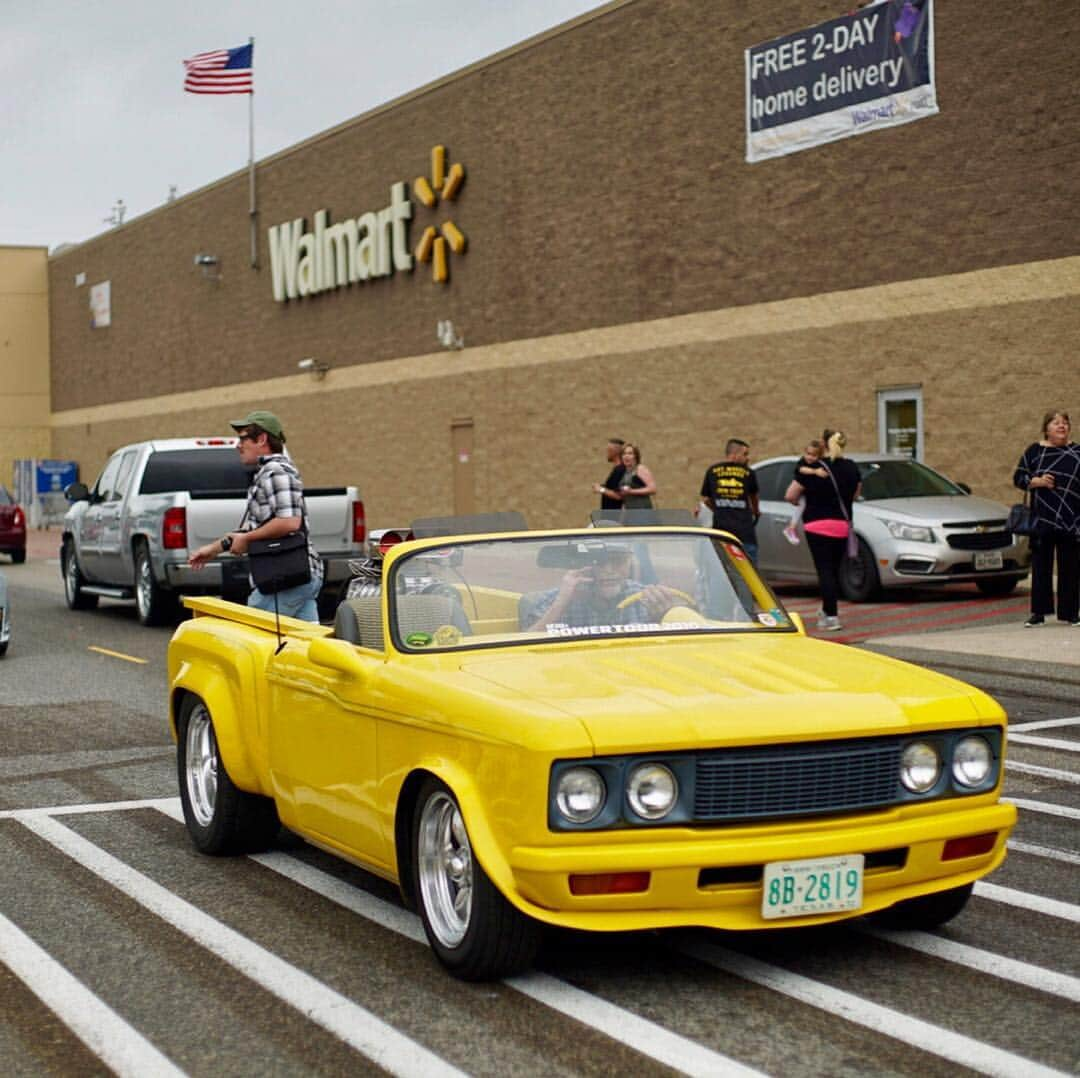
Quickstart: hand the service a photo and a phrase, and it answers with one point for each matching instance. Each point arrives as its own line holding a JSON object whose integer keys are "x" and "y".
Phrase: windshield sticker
{"x": 630, "y": 627}
{"x": 735, "y": 551}
{"x": 781, "y": 617}
{"x": 418, "y": 640}
{"x": 768, "y": 620}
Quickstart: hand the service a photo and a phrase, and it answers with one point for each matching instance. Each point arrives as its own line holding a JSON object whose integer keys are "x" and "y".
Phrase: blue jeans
{"x": 298, "y": 602}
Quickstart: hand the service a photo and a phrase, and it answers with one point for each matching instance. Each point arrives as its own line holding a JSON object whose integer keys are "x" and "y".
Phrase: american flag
{"x": 225, "y": 71}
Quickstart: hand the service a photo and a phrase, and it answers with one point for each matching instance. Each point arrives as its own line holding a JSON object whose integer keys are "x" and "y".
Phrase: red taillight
{"x": 18, "y": 520}
{"x": 969, "y": 846}
{"x": 391, "y": 538}
{"x": 174, "y": 529}
{"x": 610, "y": 883}
{"x": 359, "y": 523}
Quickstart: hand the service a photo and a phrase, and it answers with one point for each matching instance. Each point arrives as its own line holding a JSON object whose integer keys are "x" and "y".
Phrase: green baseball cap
{"x": 266, "y": 421}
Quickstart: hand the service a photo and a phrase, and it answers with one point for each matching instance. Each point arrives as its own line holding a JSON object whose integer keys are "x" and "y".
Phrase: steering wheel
{"x": 640, "y": 594}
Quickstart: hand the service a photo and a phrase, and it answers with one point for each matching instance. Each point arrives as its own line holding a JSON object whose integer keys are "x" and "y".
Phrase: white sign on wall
{"x": 100, "y": 305}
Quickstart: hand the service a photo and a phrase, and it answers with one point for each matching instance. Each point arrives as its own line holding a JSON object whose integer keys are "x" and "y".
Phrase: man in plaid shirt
{"x": 275, "y": 508}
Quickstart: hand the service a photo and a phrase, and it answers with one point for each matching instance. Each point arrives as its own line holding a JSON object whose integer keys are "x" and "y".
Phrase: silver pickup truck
{"x": 128, "y": 536}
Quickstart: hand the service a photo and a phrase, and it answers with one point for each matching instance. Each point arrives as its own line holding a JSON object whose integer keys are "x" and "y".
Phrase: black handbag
{"x": 277, "y": 564}
{"x": 1022, "y": 520}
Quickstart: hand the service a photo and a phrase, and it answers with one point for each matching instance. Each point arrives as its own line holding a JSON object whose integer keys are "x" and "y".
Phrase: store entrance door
{"x": 900, "y": 422}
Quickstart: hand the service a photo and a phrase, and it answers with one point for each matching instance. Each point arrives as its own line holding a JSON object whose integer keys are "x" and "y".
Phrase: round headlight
{"x": 580, "y": 794}
{"x": 920, "y": 767}
{"x": 972, "y": 761}
{"x": 652, "y": 791}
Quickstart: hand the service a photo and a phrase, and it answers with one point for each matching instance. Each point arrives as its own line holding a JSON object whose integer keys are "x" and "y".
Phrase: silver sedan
{"x": 915, "y": 527}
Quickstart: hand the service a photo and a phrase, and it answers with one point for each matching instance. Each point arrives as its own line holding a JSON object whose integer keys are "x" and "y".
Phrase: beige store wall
{"x": 24, "y": 356}
{"x": 991, "y": 350}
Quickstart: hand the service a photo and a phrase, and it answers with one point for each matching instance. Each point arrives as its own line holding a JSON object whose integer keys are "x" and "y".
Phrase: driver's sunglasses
{"x": 247, "y": 435}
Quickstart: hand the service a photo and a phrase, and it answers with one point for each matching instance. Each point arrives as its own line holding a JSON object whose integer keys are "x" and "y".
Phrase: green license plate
{"x": 815, "y": 885}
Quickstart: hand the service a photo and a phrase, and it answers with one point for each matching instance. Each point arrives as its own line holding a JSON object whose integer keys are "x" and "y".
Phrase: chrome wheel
{"x": 201, "y": 766}
{"x": 445, "y": 869}
{"x": 71, "y": 578}
{"x": 144, "y": 585}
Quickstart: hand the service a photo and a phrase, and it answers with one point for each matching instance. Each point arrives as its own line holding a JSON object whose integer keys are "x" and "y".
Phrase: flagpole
{"x": 253, "y": 212}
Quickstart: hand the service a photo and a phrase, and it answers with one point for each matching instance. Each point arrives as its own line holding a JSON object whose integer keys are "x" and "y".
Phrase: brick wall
{"x": 606, "y": 186}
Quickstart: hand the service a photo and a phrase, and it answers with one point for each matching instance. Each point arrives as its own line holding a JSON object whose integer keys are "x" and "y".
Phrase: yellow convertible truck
{"x": 604, "y": 729}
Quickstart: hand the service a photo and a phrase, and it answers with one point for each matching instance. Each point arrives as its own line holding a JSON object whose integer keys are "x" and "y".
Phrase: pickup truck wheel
{"x": 473, "y": 930}
{"x": 220, "y": 818}
{"x": 76, "y": 598}
{"x": 926, "y": 911}
{"x": 154, "y": 604}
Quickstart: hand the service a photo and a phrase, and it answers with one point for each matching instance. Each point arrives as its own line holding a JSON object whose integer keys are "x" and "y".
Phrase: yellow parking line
{"x": 116, "y": 654}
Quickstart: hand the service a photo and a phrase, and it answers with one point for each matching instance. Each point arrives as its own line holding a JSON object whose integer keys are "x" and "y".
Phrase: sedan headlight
{"x": 917, "y": 533}
{"x": 580, "y": 794}
{"x": 652, "y": 791}
{"x": 972, "y": 761}
{"x": 920, "y": 766}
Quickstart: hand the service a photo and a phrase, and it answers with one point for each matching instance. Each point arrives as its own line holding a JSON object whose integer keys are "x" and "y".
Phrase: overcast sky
{"x": 94, "y": 111}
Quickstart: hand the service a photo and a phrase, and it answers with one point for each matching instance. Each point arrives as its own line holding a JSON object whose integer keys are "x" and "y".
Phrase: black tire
{"x": 18, "y": 557}
{"x": 998, "y": 585}
{"x": 76, "y": 598}
{"x": 475, "y": 933}
{"x": 220, "y": 818}
{"x": 927, "y": 911}
{"x": 859, "y": 579}
{"x": 3, "y": 648}
{"x": 153, "y": 604}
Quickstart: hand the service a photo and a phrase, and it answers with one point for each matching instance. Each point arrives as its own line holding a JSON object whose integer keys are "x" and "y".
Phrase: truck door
{"x": 92, "y": 522}
{"x": 114, "y": 558}
{"x": 322, "y": 739}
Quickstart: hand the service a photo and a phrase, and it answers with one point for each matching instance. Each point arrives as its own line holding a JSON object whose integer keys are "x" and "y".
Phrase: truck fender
{"x": 485, "y": 846}
{"x": 216, "y": 691}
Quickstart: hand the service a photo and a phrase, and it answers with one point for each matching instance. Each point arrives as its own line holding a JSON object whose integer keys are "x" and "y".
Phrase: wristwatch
{"x": 226, "y": 544}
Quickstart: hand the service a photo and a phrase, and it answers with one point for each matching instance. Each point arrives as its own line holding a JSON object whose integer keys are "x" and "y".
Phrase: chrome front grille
{"x": 797, "y": 780}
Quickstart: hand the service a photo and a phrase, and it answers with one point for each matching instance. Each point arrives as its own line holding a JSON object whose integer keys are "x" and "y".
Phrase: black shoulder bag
{"x": 278, "y": 564}
{"x": 1022, "y": 519}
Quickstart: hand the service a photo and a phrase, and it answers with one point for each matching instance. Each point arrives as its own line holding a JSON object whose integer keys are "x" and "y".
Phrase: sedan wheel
{"x": 475, "y": 932}
{"x": 859, "y": 579}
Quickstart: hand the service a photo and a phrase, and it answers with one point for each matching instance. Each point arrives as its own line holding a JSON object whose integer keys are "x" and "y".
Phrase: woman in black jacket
{"x": 1050, "y": 471}
{"x": 827, "y": 521}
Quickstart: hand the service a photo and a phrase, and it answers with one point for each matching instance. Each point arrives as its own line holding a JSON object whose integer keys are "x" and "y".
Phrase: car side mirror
{"x": 77, "y": 492}
{"x": 964, "y": 487}
{"x": 338, "y": 655}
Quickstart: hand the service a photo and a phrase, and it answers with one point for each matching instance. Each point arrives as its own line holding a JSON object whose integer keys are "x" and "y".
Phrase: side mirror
{"x": 77, "y": 492}
{"x": 337, "y": 655}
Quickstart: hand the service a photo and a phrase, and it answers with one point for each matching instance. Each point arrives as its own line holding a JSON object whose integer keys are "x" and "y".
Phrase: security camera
{"x": 307, "y": 364}
{"x": 206, "y": 260}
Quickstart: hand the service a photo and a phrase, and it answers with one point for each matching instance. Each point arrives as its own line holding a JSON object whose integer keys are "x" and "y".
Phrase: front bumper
{"x": 905, "y": 563}
{"x": 904, "y": 861}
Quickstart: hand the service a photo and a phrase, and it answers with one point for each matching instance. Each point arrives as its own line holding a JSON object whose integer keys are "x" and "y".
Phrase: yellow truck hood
{"x": 684, "y": 693}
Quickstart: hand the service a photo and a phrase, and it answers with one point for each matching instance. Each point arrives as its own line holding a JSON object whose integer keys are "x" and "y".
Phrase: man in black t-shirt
{"x": 730, "y": 489}
{"x": 614, "y": 479}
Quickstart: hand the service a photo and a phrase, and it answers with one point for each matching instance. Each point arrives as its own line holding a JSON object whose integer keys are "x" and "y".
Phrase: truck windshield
{"x": 196, "y": 470}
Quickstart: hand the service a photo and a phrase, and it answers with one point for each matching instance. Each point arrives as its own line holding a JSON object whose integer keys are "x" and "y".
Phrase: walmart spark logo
{"x": 437, "y": 243}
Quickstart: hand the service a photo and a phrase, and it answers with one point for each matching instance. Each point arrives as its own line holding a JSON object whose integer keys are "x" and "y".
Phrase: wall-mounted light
{"x": 448, "y": 336}
{"x": 314, "y": 367}
{"x": 210, "y": 266}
